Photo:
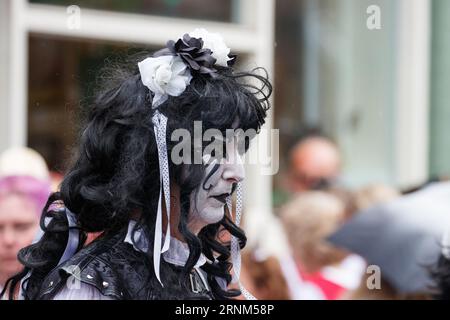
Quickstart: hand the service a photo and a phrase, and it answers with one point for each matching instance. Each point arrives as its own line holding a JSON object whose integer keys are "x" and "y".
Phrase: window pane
{"x": 439, "y": 90}
{"x": 62, "y": 76}
{"x": 215, "y": 10}
{"x": 333, "y": 73}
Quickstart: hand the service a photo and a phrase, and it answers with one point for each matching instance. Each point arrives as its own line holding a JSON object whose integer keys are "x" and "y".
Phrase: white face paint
{"x": 207, "y": 203}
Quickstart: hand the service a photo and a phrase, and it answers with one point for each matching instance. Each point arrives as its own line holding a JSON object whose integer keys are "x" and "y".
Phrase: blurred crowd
{"x": 374, "y": 242}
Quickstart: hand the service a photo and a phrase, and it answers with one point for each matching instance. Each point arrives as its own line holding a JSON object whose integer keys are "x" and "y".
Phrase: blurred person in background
{"x": 347, "y": 197}
{"x": 400, "y": 239}
{"x": 373, "y": 194}
{"x": 314, "y": 164}
{"x": 262, "y": 275}
{"x": 364, "y": 198}
{"x": 323, "y": 270}
{"x": 24, "y": 189}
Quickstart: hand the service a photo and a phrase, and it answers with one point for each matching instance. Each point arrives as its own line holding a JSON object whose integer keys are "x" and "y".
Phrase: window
{"x": 214, "y": 10}
{"x": 334, "y": 74}
{"x": 62, "y": 75}
{"x": 440, "y": 84}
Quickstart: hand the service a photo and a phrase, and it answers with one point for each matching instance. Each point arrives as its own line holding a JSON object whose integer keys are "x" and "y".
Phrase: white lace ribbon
{"x": 235, "y": 248}
{"x": 160, "y": 126}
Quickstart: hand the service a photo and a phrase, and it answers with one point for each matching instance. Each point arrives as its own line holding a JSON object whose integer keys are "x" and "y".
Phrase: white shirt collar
{"x": 177, "y": 254}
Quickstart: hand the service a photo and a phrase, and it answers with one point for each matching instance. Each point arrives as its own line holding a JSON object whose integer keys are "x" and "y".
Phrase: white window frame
{"x": 412, "y": 99}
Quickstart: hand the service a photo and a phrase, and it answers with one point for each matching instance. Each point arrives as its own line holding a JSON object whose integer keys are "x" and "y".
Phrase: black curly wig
{"x": 116, "y": 172}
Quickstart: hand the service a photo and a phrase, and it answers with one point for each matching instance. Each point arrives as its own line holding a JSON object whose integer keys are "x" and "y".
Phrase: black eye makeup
{"x": 210, "y": 176}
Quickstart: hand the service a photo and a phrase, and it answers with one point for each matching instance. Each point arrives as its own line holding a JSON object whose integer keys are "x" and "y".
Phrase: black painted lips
{"x": 222, "y": 197}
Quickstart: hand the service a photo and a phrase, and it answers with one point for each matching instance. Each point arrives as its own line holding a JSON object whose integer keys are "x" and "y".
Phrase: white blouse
{"x": 177, "y": 254}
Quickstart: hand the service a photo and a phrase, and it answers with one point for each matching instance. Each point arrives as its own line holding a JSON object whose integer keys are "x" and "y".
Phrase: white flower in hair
{"x": 165, "y": 76}
{"x": 215, "y": 43}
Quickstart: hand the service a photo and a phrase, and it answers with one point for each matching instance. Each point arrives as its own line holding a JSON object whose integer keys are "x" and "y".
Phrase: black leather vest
{"x": 120, "y": 272}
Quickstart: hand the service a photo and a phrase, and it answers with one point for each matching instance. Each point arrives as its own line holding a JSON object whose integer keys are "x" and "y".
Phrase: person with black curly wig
{"x": 162, "y": 222}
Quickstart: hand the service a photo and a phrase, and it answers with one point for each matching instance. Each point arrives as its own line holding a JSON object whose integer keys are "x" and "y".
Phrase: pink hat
{"x": 23, "y": 171}
{"x": 34, "y": 189}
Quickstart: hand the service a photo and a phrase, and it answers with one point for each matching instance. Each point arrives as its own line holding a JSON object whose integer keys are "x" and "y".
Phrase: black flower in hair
{"x": 191, "y": 51}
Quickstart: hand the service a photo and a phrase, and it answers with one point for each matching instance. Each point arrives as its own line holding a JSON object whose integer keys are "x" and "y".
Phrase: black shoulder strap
{"x": 74, "y": 266}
